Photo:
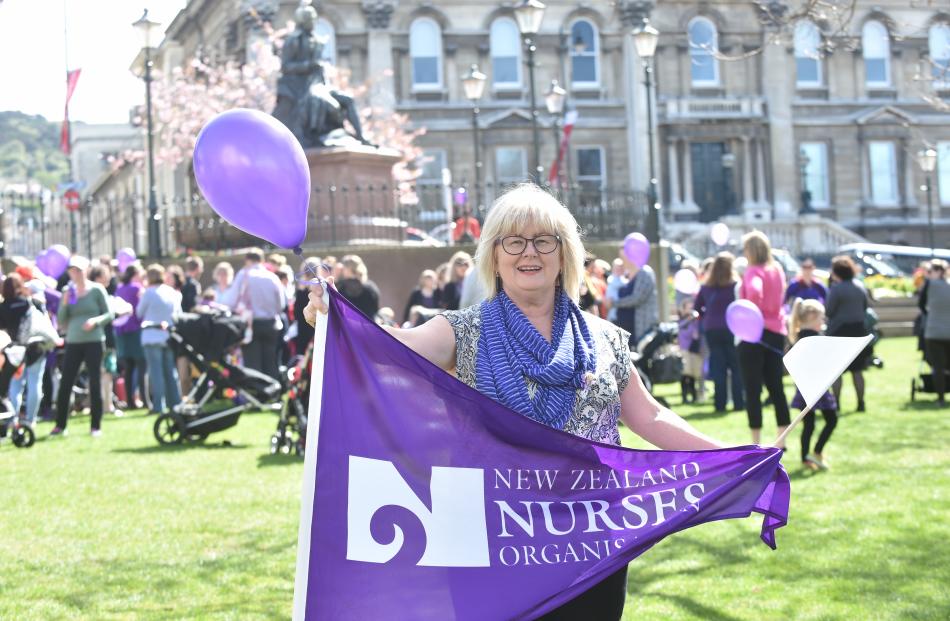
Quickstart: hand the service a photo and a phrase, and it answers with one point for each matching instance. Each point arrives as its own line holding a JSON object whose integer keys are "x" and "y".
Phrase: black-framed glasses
{"x": 516, "y": 244}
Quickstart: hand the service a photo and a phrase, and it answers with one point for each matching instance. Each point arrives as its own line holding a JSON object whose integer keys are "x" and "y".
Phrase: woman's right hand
{"x": 315, "y": 303}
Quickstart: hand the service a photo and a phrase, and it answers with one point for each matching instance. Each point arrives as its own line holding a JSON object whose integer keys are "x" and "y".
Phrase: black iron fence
{"x": 339, "y": 215}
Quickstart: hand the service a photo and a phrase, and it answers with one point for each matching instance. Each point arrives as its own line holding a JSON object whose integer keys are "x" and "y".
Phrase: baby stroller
{"x": 15, "y": 357}
{"x": 657, "y": 355}
{"x": 924, "y": 382}
{"x": 223, "y": 391}
{"x": 291, "y": 434}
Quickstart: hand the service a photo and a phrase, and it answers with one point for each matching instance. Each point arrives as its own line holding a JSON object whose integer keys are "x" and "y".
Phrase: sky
{"x": 101, "y": 41}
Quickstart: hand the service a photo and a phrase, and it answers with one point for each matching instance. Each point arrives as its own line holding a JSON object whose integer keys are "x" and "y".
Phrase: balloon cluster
{"x": 54, "y": 260}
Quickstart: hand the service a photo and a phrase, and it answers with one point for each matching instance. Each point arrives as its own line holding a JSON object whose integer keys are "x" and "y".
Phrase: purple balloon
{"x": 637, "y": 249}
{"x": 255, "y": 174}
{"x": 125, "y": 257}
{"x": 53, "y": 260}
{"x": 745, "y": 321}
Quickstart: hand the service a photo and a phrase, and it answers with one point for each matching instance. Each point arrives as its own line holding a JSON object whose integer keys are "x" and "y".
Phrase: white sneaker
{"x": 96, "y": 433}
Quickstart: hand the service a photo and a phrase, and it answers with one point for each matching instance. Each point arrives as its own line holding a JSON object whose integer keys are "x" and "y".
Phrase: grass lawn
{"x": 118, "y": 528}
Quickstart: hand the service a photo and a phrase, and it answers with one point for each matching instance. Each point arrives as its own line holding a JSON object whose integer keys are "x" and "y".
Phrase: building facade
{"x": 753, "y": 105}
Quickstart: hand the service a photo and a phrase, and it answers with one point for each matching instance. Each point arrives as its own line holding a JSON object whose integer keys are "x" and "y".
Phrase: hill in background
{"x": 29, "y": 150}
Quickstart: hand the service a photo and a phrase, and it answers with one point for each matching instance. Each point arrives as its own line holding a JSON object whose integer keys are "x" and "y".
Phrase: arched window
{"x": 876, "y": 45}
{"x": 425, "y": 50}
{"x": 324, "y": 31}
{"x": 703, "y": 47}
{"x": 939, "y": 40}
{"x": 505, "y": 53}
{"x": 807, "y": 54}
{"x": 585, "y": 54}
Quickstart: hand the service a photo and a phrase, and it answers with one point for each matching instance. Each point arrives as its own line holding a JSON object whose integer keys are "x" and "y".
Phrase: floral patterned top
{"x": 597, "y": 407}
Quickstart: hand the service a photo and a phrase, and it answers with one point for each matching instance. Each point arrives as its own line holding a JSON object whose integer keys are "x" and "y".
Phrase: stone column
{"x": 910, "y": 164}
{"x": 781, "y": 128}
{"x": 689, "y": 205}
{"x": 379, "y": 70}
{"x": 673, "y": 170}
{"x": 632, "y": 14}
{"x": 747, "y": 199}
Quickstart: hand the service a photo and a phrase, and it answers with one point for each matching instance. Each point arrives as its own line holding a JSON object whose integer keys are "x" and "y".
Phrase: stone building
{"x": 750, "y": 104}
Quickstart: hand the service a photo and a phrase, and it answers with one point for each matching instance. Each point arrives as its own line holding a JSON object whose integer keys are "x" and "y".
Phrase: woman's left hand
{"x": 89, "y": 325}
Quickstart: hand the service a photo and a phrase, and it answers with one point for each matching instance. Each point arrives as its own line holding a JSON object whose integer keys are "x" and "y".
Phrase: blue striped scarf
{"x": 510, "y": 349}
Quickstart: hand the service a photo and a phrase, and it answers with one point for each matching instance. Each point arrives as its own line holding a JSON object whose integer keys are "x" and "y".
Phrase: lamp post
{"x": 528, "y": 14}
{"x": 645, "y": 38}
{"x": 803, "y": 161}
{"x": 474, "y": 84}
{"x": 927, "y": 159}
{"x": 554, "y": 102}
{"x": 146, "y": 28}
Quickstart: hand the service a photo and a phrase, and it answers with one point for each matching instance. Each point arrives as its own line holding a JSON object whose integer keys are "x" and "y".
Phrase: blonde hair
{"x": 428, "y": 274}
{"x": 802, "y": 311}
{"x": 756, "y": 245}
{"x": 524, "y": 205}
{"x": 155, "y": 274}
{"x": 461, "y": 255}
{"x": 355, "y": 264}
{"x": 223, "y": 268}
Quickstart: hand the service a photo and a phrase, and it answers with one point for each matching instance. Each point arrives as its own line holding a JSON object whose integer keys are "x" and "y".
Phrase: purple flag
{"x": 424, "y": 499}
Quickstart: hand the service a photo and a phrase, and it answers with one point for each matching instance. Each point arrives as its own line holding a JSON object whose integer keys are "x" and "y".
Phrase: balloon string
{"x": 311, "y": 276}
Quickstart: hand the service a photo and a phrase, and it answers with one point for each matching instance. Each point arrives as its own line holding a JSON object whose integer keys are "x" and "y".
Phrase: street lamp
{"x": 645, "y": 38}
{"x": 146, "y": 28}
{"x": 554, "y": 102}
{"x": 803, "y": 161}
{"x": 528, "y": 14}
{"x": 927, "y": 159}
{"x": 474, "y": 84}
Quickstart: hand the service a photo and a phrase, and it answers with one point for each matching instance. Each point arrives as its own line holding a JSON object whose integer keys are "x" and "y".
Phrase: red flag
{"x": 72, "y": 77}
{"x": 569, "y": 119}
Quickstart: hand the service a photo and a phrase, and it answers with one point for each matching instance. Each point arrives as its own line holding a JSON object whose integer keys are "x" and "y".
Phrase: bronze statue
{"x": 306, "y": 104}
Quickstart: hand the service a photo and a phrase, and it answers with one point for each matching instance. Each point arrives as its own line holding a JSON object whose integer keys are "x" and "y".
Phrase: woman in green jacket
{"x": 83, "y": 312}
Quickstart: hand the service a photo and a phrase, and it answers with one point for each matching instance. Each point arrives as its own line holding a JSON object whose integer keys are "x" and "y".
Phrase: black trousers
{"x": 938, "y": 355}
{"x": 602, "y": 602}
{"x": 761, "y": 364}
{"x": 261, "y": 353}
{"x": 831, "y": 420}
{"x": 75, "y": 355}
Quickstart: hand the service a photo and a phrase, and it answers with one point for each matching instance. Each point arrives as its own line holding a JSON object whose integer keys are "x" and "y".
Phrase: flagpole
{"x": 798, "y": 419}
{"x": 310, "y": 460}
{"x": 73, "y": 234}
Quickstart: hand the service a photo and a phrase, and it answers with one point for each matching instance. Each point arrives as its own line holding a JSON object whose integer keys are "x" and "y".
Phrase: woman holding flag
{"x": 530, "y": 348}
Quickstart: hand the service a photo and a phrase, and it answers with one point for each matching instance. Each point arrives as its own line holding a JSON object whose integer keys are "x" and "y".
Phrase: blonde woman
{"x": 531, "y": 261}
{"x": 355, "y": 285}
{"x": 426, "y": 294}
{"x": 460, "y": 264}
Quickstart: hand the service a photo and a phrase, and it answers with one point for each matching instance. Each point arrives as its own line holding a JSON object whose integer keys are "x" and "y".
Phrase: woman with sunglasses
{"x": 529, "y": 347}
{"x": 805, "y": 286}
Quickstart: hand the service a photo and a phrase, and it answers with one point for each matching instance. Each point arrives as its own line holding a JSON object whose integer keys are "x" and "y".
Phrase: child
{"x": 807, "y": 319}
{"x": 691, "y": 347}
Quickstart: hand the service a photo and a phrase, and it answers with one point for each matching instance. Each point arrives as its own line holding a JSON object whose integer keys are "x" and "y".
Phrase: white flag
{"x": 817, "y": 361}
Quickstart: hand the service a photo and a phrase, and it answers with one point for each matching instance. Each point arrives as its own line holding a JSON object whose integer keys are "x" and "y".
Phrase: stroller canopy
{"x": 211, "y": 334}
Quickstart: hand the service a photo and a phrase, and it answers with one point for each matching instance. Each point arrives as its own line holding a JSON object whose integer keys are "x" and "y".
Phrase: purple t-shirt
{"x": 711, "y": 304}
{"x": 131, "y": 293}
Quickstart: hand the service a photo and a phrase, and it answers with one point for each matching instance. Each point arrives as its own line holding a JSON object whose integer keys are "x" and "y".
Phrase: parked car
{"x": 678, "y": 254}
{"x": 904, "y": 258}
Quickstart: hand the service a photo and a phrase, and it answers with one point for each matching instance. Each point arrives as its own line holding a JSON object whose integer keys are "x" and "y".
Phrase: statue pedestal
{"x": 353, "y": 197}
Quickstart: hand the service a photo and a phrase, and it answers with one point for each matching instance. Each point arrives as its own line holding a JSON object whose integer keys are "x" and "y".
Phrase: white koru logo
{"x": 456, "y": 535}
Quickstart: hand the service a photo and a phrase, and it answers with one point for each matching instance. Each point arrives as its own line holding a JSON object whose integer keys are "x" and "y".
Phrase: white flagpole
{"x": 310, "y": 461}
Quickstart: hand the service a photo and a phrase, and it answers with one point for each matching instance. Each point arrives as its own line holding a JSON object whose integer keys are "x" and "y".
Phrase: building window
{"x": 327, "y": 35}
{"x": 876, "y": 46}
{"x": 505, "y": 53}
{"x": 432, "y": 163}
{"x": 816, "y": 172}
{"x": 807, "y": 54}
{"x": 425, "y": 49}
{"x": 511, "y": 165}
{"x": 585, "y": 52}
{"x": 939, "y": 41}
{"x": 703, "y": 48}
{"x": 883, "y": 173}
{"x": 590, "y": 167}
{"x": 943, "y": 172}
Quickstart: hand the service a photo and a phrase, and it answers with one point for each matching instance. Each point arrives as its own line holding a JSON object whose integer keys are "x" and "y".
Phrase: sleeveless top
{"x": 597, "y": 406}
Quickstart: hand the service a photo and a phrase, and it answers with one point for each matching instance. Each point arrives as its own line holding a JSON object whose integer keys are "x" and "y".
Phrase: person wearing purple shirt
{"x": 805, "y": 286}
{"x": 128, "y": 336}
{"x": 713, "y": 299}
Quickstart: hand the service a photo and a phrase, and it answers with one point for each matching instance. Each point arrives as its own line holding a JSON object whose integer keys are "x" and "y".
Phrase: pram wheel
{"x": 23, "y": 437}
{"x": 168, "y": 429}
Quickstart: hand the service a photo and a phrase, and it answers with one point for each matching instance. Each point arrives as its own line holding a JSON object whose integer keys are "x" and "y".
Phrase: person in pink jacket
{"x": 763, "y": 284}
